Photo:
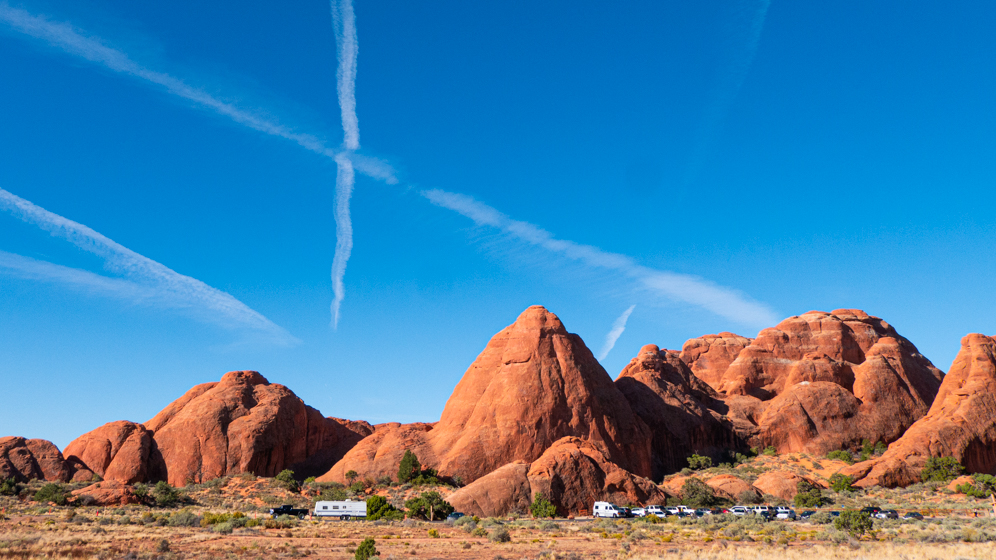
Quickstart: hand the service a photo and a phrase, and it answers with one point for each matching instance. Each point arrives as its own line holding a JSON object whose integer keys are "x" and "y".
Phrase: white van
{"x": 605, "y": 509}
{"x": 344, "y": 510}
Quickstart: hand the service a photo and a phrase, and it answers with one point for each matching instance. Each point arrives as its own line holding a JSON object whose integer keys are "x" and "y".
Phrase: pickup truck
{"x": 288, "y": 510}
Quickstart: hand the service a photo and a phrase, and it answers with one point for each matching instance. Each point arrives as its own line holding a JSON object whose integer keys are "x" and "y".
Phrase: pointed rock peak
{"x": 537, "y": 317}
{"x": 251, "y": 378}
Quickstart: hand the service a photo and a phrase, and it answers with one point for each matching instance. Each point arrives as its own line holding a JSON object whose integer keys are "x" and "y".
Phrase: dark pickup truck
{"x": 288, "y": 510}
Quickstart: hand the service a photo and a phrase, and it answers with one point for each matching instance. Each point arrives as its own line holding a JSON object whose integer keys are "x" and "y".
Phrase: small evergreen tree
{"x": 351, "y": 475}
{"x": 699, "y": 462}
{"x": 808, "y": 495}
{"x": 366, "y": 550}
{"x": 856, "y": 523}
{"x": 164, "y": 494}
{"x": 287, "y": 481}
{"x": 941, "y": 469}
{"x": 841, "y": 483}
{"x": 541, "y": 507}
{"x": 409, "y": 468}
{"x": 696, "y": 493}
{"x": 430, "y": 506}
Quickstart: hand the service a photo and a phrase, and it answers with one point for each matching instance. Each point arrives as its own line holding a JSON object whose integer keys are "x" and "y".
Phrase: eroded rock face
{"x": 27, "y": 459}
{"x": 533, "y": 384}
{"x": 784, "y": 484}
{"x": 573, "y": 474}
{"x": 121, "y": 451}
{"x": 824, "y": 381}
{"x": 243, "y": 424}
{"x": 709, "y": 356}
{"x": 732, "y": 488}
{"x": 961, "y": 423}
{"x": 106, "y": 493}
{"x": 379, "y": 454}
{"x": 685, "y": 415}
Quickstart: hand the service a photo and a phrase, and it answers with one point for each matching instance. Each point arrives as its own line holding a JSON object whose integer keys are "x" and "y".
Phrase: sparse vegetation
{"x": 500, "y": 535}
{"x": 841, "y": 455}
{"x": 941, "y": 469}
{"x": 770, "y": 451}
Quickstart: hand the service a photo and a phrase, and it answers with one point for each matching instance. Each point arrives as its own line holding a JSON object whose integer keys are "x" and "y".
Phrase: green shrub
{"x": 164, "y": 494}
{"x": 357, "y": 487}
{"x": 841, "y": 483}
{"x": 9, "y": 487}
{"x": 162, "y": 545}
{"x": 366, "y": 550}
{"x": 699, "y": 462}
{"x": 841, "y": 455}
{"x": 541, "y": 507}
{"x": 696, "y": 493}
{"x": 479, "y": 532}
{"x": 334, "y": 493}
{"x": 287, "y": 481}
{"x": 770, "y": 450}
{"x": 821, "y": 518}
{"x": 409, "y": 468}
{"x": 941, "y": 469}
{"x": 379, "y": 508}
{"x": 430, "y": 506}
{"x": 184, "y": 519}
{"x": 224, "y": 528}
{"x": 500, "y": 535}
{"x": 51, "y": 492}
{"x": 856, "y": 523}
{"x": 808, "y": 495}
{"x": 880, "y": 448}
{"x": 982, "y": 486}
{"x": 140, "y": 490}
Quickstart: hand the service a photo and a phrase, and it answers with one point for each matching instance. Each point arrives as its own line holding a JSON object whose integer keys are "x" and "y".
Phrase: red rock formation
{"x": 784, "y": 484}
{"x": 533, "y": 384}
{"x": 731, "y": 487}
{"x": 106, "y": 493}
{"x": 121, "y": 451}
{"x": 379, "y": 454}
{"x": 27, "y": 459}
{"x": 573, "y": 474}
{"x": 243, "y": 424}
{"x": 685, "y": 414}
{"x": 960, "y": 424}
{"x": 825, "y": 381}
{"x": 709, "y": 356}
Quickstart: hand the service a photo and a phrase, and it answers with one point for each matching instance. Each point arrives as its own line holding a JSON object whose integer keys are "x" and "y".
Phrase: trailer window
{"x": 335, "y": 507}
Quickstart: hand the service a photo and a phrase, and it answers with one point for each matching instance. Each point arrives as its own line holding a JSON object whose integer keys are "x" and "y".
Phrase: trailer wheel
{"x": 345, "y": 518}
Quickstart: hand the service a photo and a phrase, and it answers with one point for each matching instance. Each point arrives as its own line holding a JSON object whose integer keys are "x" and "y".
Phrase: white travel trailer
{"x": 344, "y": 510}
{"x": 605, "y": 509}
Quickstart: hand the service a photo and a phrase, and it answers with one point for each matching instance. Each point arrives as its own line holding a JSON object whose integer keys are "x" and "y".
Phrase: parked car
{"x": 784, "y": 513}
{"x": 639, "y": 512}
{"x": 913, "y": 515}
{"x": 626, "y": 511}
{"x": 870, "y": 510}
{"x": 806, "y": 514}
{"x": 655, "y": 510}
{"x": 739, "y": 510}
{"x": 887, "y": 514}
{"x": 605, "y": 509}
{"x": 455, "y": 515}
{"x": 703, "y": 511}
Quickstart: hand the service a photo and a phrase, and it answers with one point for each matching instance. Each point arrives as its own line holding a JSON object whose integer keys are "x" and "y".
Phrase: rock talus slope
{"x": 961, "y": 423}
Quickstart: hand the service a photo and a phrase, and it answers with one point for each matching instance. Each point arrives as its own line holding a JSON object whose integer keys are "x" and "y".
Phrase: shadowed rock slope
{"x": 960, "y": 424}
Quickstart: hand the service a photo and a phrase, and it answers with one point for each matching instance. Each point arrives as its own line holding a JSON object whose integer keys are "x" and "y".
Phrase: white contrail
{"x": 149, "y": 279}
{"x": 344, "y": 25}
{"x": 730, "y": 81}
{"x": 680, "y": 287}
{"x": 617, "y": 329}
{"x": 76, "y": 42}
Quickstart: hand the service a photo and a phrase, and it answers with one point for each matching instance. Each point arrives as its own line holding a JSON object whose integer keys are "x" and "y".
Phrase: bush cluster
{"x": 52, "y": 492}
{"x": 379, "y": 508}
{"x": 941, "y": 469}
{"x": 808, "y": 496}
{"x": 366, "y": 550}
{"x": 841, "y": 483}
{"x": 854, "y": 522}
{"x": 9, "y": 487}
{"x": 165, "y": 495}
{"x": 696, "y": 493}
{"x": 699, "y": 462}
{"x": 841, "y": 455}
{"x": 287, "y": 481}
{"x": 430, "y": 506}
{"x": 982, "y": 486}
{"x": 541, "y": 507}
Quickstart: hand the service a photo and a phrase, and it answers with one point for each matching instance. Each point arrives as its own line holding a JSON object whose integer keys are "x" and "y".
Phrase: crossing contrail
{"x": 344, "y": 24}
{"x": 147, "y": 280}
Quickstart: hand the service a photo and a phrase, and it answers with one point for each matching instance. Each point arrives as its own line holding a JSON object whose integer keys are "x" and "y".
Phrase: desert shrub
{"x": 162, "y": 546}
{"x": 379, "y": 508}
{"x": 854, "y": 522}
{"x": 696, "y": 493}
{"x": 351, "y": 475}
{"x": 808, "y": 496}
{"x": 184, "y": 519}
{"x": 409, "y": 468}
{"x": 224, "y": 528}
{"x": 841, "y": 483}
{"x": 333, "y": 493}
{"x": 479, "y": 532}
{"x": 770, "y": 450}
{"x": 541, "y": 507}
{"x": 9, "y": 487}
{"x": 287, "y": 481}
{"x": 430, "y": 506}
{"x": 366, "y": 550}
{"x": 309, "y": 481}
{"x": 140, "y": 490}
{"x": 434, "y": 533}
{"x": 841, "y": 455}
{"x": 357, "y": 487}
{"x": 699, "y": 462}
{"x": 652, "y": 519}
{"x": 500, "y": 535}
{"x": 124, "y": 520}
{"x": 164, "y": 494}
{"x": 880, "y": 448}
{"x": 465, "y": 520}
{"x": 821, "y": 518}
{"x": 941, "y": 469}
{"x": 51, "y": 492}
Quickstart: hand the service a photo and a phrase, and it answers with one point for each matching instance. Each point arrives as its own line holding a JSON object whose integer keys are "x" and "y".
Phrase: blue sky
{"x": 717, "y": 165}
